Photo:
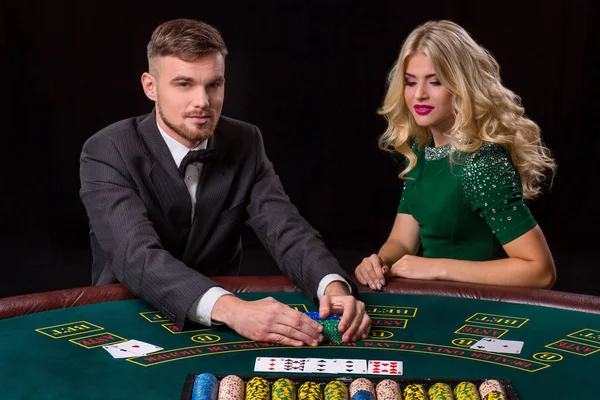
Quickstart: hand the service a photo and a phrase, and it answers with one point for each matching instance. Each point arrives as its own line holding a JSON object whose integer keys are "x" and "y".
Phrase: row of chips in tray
{"x": 207, "y": 386}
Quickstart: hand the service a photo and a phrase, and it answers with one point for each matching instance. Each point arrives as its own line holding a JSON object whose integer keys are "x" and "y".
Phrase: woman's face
{"x": 429, "y": 102}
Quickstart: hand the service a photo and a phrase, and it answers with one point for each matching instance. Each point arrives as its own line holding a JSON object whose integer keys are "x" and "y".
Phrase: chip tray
{"x": 322, "y": 381}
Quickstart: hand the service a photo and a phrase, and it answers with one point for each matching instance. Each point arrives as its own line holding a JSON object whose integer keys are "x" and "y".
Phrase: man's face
{"x": 188, "y": 95}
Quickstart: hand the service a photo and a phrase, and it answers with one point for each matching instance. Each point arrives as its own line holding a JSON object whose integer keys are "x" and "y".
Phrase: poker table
{"x": 51, "y": 343}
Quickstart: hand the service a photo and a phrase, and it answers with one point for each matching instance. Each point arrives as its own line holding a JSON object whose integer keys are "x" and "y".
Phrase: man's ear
{"x": 149, "y": 85}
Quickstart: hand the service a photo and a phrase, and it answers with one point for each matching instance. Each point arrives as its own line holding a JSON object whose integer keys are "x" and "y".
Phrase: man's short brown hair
{"x": 186, "y": 39}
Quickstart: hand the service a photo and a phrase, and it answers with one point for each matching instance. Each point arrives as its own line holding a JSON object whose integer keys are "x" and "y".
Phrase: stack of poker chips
{"x": 388, "y": 389}
{"x": 231, "y": 388}
{"x": 336, "y": 390}
{"x": 283, "y": 389}
{"x": 414, "y": 391}
{"x": 207, "y": 387}
{"x": 362, "y": 389}
{"x": 331, "y": 333}
{"x": 466, "y": 391}
{"x": 491, "y": 389}
{"x": 309, "y": 391}
{"x": 258, "y": 389}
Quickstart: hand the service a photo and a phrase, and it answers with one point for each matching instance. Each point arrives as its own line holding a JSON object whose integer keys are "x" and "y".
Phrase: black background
{"x": 311, "y": 75}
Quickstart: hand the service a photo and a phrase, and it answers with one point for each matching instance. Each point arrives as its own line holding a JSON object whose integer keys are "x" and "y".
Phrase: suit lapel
{"x": 215, "y": 183}
{"x": 169, "y": 188}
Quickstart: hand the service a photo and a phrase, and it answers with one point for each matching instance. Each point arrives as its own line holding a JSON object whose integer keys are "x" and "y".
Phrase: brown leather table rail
{"x": 36, "y": 302}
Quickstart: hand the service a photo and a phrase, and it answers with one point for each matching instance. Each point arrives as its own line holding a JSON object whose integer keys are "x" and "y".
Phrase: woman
{"x": 472, "y": 157}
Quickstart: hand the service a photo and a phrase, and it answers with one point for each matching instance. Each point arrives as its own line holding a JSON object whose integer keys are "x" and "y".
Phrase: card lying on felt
{"x": 320, "y": 365}
{"x": 279, "y": 364}
{"x": 385, "y": 367}
{"x": 119, "y": 353}
{"x": 311, "y": 365}
{"x": 499, "y": 345}
{"x": 350, "y": 366}
{"x": 131, "y": 348}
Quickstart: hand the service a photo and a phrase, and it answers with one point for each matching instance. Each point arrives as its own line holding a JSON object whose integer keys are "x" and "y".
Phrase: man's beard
{"x": 196, "y": 136}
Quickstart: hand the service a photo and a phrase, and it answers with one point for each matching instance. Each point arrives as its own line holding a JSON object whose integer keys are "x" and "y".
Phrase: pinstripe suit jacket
{"x": 140, "y": 215}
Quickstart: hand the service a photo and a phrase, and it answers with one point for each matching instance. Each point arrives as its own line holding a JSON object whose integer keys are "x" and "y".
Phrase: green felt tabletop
{"x": 58, "y": 354}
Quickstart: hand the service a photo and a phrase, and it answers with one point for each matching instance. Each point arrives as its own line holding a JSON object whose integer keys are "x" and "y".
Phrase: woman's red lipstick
{"x": 423, "y": 109}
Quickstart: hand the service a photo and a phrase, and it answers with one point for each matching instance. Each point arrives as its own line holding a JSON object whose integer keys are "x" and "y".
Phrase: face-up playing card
{"x": 136, "y": 347}
{"x": 384, "y": 367}
{"x": 279, "y": 364}
{"x": 267, "y": 364}
{"x": 119, "y": 353}
{"x": 350, "y": 366}
{"x": 321, "y": 365}
{"x": 499, "y": 345}
{"x": 293, "y": 364}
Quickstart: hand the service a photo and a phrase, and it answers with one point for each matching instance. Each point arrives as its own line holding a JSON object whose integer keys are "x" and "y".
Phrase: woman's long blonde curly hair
{"x": 485, "y": 111}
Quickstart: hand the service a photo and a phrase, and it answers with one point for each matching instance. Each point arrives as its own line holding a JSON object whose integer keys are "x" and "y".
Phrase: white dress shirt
{"x": 201, "y": 309}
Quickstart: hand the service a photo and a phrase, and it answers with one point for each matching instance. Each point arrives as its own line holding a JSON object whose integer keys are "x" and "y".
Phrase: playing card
{"x": 320, "y": 365}
{"x": 384, "y": 367}
{"x": 293, "y": 364}
{"x": 137, "y": 347}
{"x": 119, "y": 353}
{"x": 279, "y": 364}
{"x": 267, "y": 364}
{"x": 350, "y": 366}
{"x": 499, "y": 345}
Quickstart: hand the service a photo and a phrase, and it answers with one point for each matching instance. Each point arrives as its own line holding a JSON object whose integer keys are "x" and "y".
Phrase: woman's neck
{"x": 440, "y": 139}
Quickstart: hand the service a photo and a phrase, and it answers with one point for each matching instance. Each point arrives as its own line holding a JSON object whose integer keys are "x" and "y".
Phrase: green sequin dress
{"x": 469, "y": 208}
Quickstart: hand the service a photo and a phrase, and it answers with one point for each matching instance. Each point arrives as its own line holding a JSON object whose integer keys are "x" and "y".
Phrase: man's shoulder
{"x": 123, "y": 133}
{"x": 121, "y": 129}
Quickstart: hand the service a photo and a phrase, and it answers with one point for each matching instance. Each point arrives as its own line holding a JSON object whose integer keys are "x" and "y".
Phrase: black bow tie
{"x": 196, "y": 156}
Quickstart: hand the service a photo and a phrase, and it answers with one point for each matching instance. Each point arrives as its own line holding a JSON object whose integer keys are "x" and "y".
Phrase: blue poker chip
{"x": 363, "y": 395}
{"x": 206, "y": 387}
{"x": 315, "y": 316}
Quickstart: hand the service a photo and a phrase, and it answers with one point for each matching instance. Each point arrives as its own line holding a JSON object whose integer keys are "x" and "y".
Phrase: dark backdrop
{"x": 311, "y": 75}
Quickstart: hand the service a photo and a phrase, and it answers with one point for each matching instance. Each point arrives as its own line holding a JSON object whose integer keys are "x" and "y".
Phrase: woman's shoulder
{"x": 492, "y": 164}
{"x": 489, "y": 154}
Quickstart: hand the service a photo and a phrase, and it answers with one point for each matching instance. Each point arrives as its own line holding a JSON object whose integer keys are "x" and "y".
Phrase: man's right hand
{"x": 267, "y": 320}
{"x": 372, "y": 272}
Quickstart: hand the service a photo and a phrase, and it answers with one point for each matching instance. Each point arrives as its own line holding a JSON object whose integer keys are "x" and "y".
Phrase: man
{"x": 167, "y": 195}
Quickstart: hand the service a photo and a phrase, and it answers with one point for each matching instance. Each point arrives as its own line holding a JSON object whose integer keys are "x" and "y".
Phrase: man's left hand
{"x": 355, "y": 323}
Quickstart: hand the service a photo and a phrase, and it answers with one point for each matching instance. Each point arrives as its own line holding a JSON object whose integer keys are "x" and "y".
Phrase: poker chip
{"x": 466, "y": 391}
{"x": 440, "y": 391}
{"x": 336, "y": 390}
{"x": 495, "y": 396}
{"x": 330, "y": 326}
{"x": 331, "y": 331}
{"x": 492, "y": 389}
{"x": 388, "y": 389}
{"x": 361, "y": 384}
{"x": 231, "y": 387}
{"x": 283, "y": 389}
{"x": 315, "y": 316}
{"x": 414, "y": 391}
{"x": 257, "y": 389}
{"x": 309, "y": 391}
{"x": 363, "y": 395}
{"x": 205, "y": 387}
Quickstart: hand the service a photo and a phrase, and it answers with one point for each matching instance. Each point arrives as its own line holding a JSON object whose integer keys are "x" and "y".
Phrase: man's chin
{"x": 201, "y": 135}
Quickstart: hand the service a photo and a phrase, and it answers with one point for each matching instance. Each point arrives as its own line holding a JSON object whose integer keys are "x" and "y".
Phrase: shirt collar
{"x": 178, "y": 150}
